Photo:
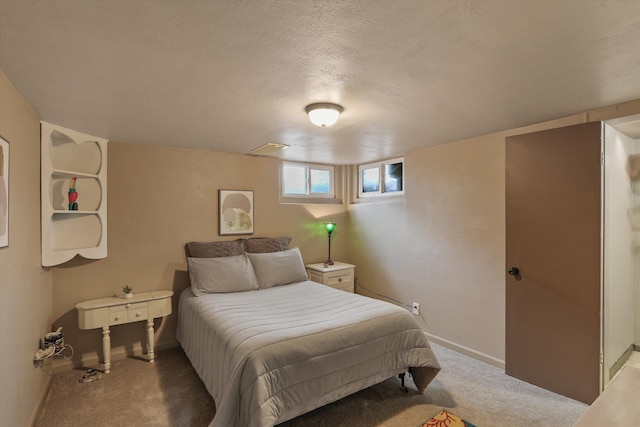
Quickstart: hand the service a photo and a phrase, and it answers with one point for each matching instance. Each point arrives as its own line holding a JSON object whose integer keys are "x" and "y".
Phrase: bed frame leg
{"x": 404, "y": 388}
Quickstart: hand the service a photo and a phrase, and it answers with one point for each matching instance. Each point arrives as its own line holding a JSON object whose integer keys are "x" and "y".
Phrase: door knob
{"x": 513, "y": 271}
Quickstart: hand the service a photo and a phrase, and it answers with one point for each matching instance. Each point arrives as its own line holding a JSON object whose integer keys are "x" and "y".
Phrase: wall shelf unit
{"x": 68, "y": 154}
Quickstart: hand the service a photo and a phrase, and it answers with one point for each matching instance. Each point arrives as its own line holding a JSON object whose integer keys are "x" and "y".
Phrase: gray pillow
{"x": 278, "y": 268}
{"x": 217, "y": 275}
{"x": 267, "y": 244}
{"x": 215, "y": 249}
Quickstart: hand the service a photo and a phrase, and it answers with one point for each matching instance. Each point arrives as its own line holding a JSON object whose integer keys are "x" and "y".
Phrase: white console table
{"x": 106, "y": 312}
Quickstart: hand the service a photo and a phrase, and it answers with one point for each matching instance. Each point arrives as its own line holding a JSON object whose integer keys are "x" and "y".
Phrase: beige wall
{"x": 159, "y": 198}
{"x": 25, "y": 288}
{"x": 443, "y": 245}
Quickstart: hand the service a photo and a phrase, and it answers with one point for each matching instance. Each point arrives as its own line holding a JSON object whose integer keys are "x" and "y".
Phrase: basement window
{"x": 385, "y": 178}
{"x": 307, "y": 181}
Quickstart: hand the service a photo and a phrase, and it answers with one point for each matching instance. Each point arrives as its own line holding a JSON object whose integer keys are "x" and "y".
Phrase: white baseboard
{"x": 466, "y": 351}
{"x": 620, "y": 362}
{"x": 41, "y": 399}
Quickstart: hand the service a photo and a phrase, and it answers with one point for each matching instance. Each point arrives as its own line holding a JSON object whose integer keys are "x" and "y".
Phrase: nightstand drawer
{"x": 344, "y": 286}
{"x": 125, "y": 313}
{"x": 135, "y": 314}
{"x": 117, "y": 317}
{"x": 339, "y": 277}
{"x": 128, "y": 306}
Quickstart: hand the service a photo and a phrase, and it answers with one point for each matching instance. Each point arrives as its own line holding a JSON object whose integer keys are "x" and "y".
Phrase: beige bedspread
{"x": 269, "y": 355}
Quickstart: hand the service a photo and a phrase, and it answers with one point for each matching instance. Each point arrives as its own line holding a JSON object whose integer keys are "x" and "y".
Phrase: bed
{"x": 276, "y": 347}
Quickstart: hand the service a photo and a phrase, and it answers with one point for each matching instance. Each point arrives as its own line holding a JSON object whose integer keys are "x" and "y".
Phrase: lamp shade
{"x": 330, "y": 226}
{"x": 324, "y": 113}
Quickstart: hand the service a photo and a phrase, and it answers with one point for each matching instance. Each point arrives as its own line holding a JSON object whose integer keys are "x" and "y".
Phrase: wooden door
{"x": 553, "y": 223}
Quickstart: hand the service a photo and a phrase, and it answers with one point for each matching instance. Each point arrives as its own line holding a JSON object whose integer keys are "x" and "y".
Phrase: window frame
{"x": 381, "y": 166}
{"x": 309, "y": 195}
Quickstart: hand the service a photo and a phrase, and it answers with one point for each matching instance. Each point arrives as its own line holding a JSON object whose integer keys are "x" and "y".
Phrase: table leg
{"x": 150, "y": 338}
{"x": 106, "y": 349}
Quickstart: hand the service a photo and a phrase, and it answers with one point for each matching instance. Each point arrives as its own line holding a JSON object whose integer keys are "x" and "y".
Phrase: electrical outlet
{"x": 415, "y": 308}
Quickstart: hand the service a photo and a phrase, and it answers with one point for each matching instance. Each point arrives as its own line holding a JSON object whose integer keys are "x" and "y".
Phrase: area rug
{"x": 446, "y": 419}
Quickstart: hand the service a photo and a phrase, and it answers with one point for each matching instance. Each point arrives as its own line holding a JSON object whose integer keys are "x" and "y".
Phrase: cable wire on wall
{"x": 358, "y": 284}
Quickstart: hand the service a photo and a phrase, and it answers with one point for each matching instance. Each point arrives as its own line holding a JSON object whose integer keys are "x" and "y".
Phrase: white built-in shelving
{"x": 66, "y": 233}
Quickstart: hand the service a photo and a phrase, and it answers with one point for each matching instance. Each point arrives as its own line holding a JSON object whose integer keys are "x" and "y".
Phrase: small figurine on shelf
{"x": 128, "y": 291}
{"x": 73, "y": 195}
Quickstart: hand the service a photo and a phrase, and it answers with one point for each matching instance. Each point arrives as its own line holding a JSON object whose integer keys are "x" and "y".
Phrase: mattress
{"x": 269, "y": 355}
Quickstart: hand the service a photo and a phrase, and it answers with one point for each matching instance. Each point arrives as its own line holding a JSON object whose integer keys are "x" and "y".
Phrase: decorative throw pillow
{"x": 267, "y": 244}
{"x": 218, "y": 275}
{"x": 278, "y": 268}
{"x": 215, "y": 249}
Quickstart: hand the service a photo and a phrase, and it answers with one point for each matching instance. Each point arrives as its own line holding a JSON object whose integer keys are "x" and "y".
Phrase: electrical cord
{"x": 380, "y": 295}
{"x": 62, "y": 350}
{"x": 42, "y": 355}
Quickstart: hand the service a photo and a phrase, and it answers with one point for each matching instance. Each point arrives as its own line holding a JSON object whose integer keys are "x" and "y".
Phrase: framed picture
{"x": 235, "y": 212}
{"x": 4, "y": 193}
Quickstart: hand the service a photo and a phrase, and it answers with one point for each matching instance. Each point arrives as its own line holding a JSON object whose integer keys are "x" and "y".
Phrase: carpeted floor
{"x": 169, "y": 393}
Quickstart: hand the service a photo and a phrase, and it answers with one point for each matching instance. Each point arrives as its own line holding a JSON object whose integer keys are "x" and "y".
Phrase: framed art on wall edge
{"x": 235, "y": 212}
{"x": 4, "y": 193}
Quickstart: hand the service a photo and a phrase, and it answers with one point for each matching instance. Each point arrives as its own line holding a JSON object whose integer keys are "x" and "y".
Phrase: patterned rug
{"x": 446, "y": 419}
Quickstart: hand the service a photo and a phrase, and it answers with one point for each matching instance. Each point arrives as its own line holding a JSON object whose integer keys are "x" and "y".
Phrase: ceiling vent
{"x": 269, "y": 148}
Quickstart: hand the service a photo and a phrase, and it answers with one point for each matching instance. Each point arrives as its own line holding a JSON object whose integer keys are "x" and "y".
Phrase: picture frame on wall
{"x": 4, "y": 193}
{"x": 235, "y": 212}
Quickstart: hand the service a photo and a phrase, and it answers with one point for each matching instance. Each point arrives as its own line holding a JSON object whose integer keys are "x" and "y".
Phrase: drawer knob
{"x": 339, "y": 279}
{"x": 128, "y": 305}
{"x": 116, "y": 318}
{"x": 138, "y": 314}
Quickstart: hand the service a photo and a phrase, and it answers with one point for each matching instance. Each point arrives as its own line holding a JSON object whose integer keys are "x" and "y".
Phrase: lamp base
{"x": 327, "y": 263}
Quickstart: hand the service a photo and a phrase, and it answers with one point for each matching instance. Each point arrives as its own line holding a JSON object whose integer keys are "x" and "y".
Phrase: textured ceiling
{"x": 234, "y": 75}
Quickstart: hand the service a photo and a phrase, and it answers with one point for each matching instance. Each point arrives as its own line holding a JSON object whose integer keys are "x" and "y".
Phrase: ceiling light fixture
{"x": 323, "y": 113}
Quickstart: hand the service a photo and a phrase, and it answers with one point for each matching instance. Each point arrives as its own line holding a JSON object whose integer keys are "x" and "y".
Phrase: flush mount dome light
{"x": 323, "y": 113}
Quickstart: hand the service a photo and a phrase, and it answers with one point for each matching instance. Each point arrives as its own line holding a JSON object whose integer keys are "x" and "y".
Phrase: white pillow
{"x": 278, "y": 268}
{"x": 225, "y": 274}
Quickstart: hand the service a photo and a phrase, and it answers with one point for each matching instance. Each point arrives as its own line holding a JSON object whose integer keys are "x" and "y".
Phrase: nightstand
{"x": 340, "y": 275}
{"x": 106, "y": 312}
